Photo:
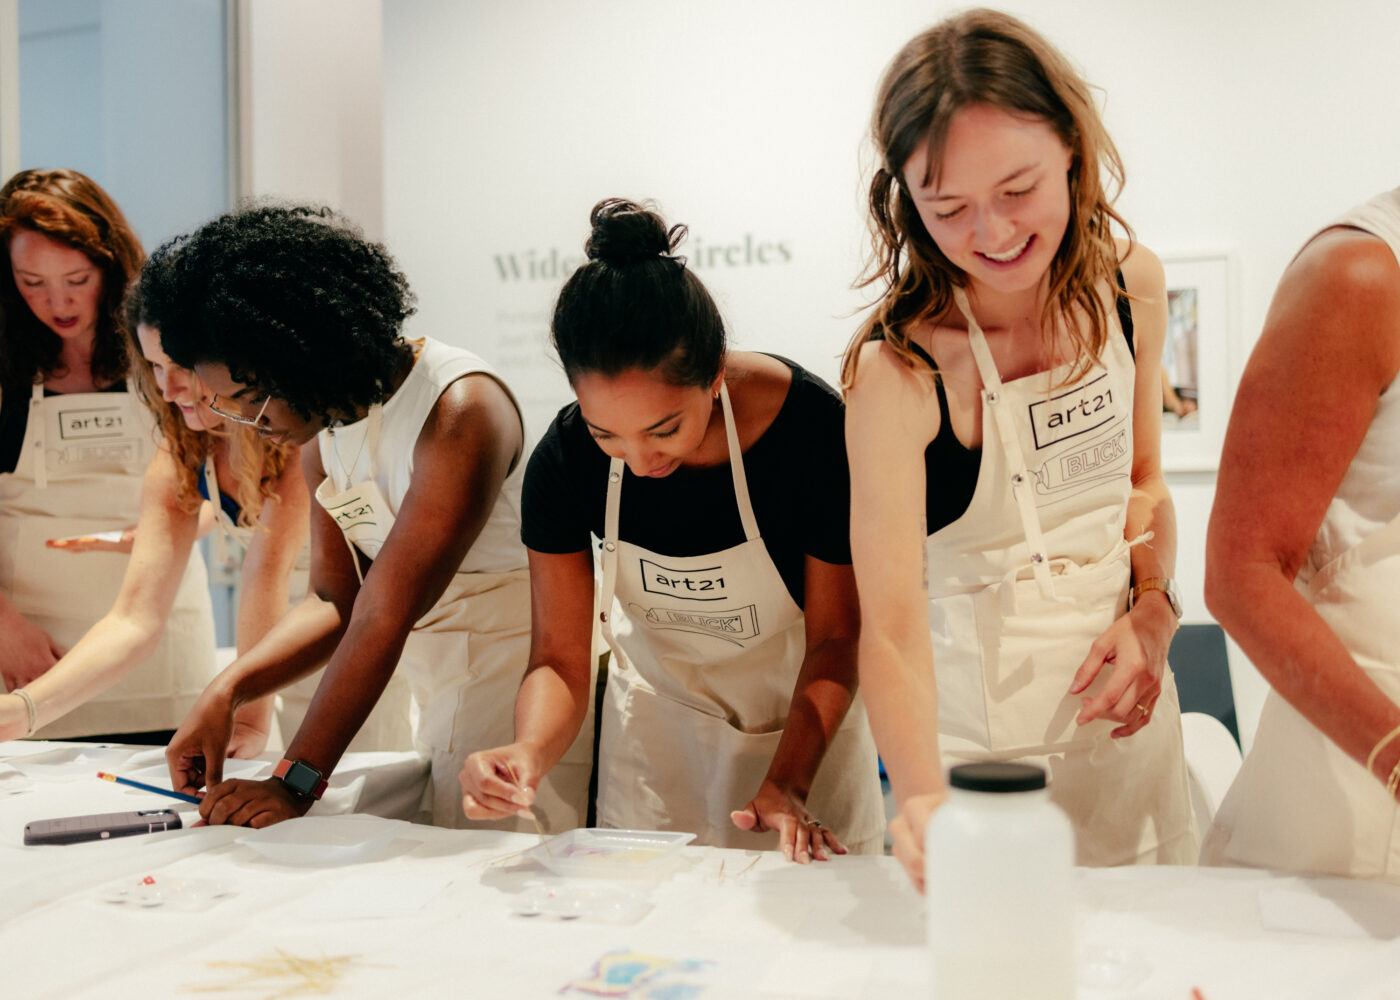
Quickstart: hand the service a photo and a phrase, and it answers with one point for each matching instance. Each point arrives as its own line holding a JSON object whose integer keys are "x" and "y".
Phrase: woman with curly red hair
{"x": 74, "y": 448}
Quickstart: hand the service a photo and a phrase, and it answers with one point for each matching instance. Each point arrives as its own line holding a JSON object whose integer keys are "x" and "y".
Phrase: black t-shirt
{"x": 798, "y": 479}
{"x": 14, "y": 416}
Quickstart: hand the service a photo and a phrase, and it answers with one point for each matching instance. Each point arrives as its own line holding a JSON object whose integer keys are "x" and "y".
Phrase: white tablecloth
{"x": 431, "y": 915}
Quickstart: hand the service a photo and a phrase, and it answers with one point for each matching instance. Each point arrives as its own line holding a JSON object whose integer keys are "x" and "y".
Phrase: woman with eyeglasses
{"x": 294, "y": 322}
{"x": 207, "y": 471}
{"x": 78, "y": 458}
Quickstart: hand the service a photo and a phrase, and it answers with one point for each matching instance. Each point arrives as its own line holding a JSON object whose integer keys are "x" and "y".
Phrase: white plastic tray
{"x": 322, "y": 840}
{"x": 597, "y": 853}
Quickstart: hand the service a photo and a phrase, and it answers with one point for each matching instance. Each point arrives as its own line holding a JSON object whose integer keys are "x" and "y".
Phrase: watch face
{"x": 301, "y": 778}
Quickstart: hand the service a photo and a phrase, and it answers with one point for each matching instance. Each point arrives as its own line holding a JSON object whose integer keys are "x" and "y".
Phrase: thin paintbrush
{"x": 533, "y": 818}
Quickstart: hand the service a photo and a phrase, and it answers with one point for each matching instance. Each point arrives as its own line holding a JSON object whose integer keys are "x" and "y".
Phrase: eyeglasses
{"x": 238, "y": 418}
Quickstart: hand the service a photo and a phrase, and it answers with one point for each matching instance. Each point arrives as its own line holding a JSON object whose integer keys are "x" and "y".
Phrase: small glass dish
{"x": 598, "y": 853}
{"x": 598, "y": 905}
{"x": 182, "y": 895}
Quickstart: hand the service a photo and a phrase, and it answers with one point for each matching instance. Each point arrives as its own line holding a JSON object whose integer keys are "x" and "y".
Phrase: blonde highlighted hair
{"x": 984, "y": 57}
{"x": 256, "y": 462}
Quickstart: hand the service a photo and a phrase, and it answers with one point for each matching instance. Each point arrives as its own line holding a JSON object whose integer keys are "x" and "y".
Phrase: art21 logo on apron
{"x": 704, "y": 584}
{"x": 1091, "y": 424}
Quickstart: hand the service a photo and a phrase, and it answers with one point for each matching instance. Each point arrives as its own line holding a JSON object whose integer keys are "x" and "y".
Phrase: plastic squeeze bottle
{"x": 999, "y": 860}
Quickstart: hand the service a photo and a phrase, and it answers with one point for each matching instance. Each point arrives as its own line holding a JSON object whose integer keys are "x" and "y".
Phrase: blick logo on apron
{"x": 1104, "y": 456}
{"x": 737, "y": 626}
{"x": 706, "y": 584}
{"x": 119, "y": 452}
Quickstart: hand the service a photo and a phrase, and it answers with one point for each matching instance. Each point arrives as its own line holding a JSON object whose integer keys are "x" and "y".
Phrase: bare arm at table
{"x": 554, "y": 696}
{"x": 891, "y": 416}
{"x": 263, "y": 592}
{"x": 821, "y": 697}
{"x": 1136, "y": 644}
{"x": 128, "y": 633}
{"x": 1330, "y": 346}
{"x": 299, "y": 643}
{"x": 467, "y": 447}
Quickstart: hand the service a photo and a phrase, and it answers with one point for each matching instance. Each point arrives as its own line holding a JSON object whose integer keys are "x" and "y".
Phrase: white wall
{"x": 311, "y": 105}
{"x": 1244, "y": 127}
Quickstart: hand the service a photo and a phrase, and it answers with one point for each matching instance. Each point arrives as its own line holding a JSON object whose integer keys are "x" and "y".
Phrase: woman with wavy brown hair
{"x": 75, "y": 445}
{"x": 1012, "y": 535}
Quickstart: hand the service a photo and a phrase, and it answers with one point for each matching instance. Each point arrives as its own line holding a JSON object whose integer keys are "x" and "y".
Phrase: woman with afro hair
{"x": 294, "y": 323}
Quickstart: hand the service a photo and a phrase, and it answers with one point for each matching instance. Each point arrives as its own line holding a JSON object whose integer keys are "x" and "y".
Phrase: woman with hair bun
{"x": 294, "y": 323}
{"x": 76, "y": 446}
{"x": 1012, "y": 532}
{"x": 716, "y": 482}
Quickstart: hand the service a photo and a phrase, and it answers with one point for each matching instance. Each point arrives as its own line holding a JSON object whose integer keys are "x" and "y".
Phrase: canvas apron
{"x": 389, "y": 726}
{"x": 1299, "y": 803}
{"x": 81, "y": 470}
{"x": 1005, "y": 653}
{"x": 462, "y": 664}
{"x": 705, "y": 654}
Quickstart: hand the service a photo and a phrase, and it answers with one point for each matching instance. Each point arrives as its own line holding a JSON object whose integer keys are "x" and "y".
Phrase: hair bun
{"x": 625, "y": 232}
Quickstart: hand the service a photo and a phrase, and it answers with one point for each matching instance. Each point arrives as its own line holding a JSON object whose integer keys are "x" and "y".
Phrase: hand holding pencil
{"x": 194, "y": 799}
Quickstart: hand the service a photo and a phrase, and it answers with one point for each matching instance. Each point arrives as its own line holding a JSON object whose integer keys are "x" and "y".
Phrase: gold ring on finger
{"x": 1144, "y": 709}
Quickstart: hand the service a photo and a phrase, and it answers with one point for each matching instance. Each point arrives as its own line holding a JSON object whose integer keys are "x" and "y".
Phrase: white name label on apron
{"x": 706, "y": 584}
{"x": 88, "y": 423}
{"x": 355, "y": 514}
{"x": 736, "y": 626}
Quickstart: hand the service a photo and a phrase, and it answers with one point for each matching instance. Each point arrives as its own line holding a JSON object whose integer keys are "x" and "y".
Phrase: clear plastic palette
{"x": 151, "y": 892}
{"x": 597, "y": 853}
{"x": 599, "y": 905}
{"x": 323, "y": 840}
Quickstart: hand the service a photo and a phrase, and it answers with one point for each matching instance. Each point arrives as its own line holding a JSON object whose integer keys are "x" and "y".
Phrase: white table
{"x": 64, "y": 783}
{"x": 430, "y": 915}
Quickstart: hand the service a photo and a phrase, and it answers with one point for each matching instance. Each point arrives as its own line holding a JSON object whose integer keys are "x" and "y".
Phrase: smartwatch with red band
{"x": 301, "y": 779}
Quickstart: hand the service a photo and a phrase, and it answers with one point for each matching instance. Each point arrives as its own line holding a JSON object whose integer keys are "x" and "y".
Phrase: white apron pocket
{"x": 667, "y": 766}
{"x": 1030, "y": 655}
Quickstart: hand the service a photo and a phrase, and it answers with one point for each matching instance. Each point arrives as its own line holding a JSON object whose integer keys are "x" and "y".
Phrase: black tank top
{"x": 950, "y": 476}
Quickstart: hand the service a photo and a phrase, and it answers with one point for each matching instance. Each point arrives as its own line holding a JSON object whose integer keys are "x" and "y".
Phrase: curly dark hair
{"x": 71, "y": 208}
{"x": 292, "y": 299}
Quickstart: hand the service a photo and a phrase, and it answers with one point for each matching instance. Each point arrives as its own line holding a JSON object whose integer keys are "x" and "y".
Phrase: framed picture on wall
{"x": 1196, "y": 358}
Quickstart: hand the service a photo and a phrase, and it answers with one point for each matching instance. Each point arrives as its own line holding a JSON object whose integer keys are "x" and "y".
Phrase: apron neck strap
{"x": 610, "y": 520}
{"x": 1022, "y": 479}
{"x": 736, "y": 467}
{"x": 216, "y": 499}
{"x": 38, "y": 436}
{"x": 612, "y": 510}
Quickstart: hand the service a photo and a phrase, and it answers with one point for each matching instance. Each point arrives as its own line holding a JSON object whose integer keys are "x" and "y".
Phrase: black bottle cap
{"x": 995, "y": 776}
